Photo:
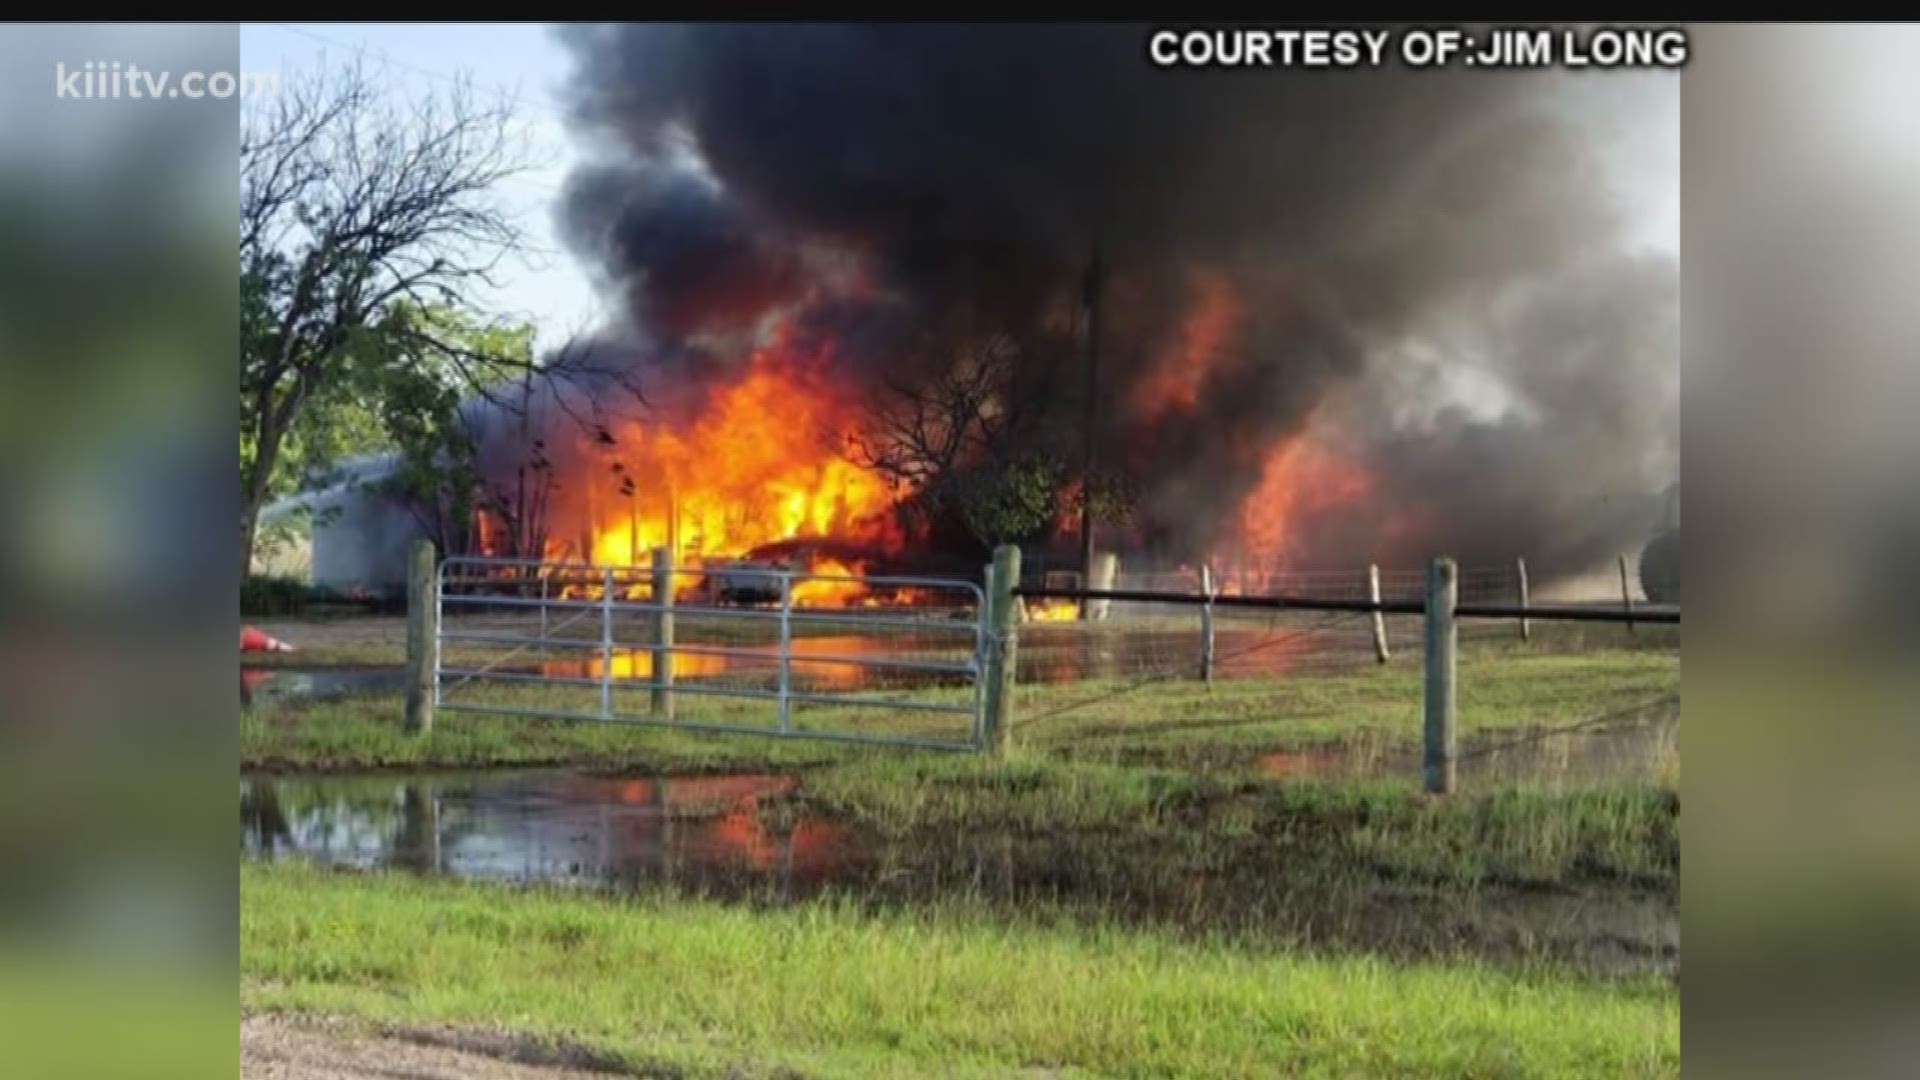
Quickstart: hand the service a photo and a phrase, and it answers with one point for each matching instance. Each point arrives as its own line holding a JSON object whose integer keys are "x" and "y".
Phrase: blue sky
{"x": 520, "y": 62}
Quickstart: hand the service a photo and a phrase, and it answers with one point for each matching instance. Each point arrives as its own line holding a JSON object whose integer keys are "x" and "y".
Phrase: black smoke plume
{"x": 1436, "y": 279}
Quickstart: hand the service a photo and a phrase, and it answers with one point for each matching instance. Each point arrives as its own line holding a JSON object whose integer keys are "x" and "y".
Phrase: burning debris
{"x": 1352, "y": 320}
{"x": 734, "y": 478}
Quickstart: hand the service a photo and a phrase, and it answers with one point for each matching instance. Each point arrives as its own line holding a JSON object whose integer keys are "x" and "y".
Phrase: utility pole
{"x": 1091, "y": 299}
{"x": 673, "y": 518}
{"x": 633, "y": 522}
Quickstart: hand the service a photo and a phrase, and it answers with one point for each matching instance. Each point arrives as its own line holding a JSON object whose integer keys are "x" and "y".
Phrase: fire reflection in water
{"x": 698, "y": 832}
{"x": 819, "y": 663}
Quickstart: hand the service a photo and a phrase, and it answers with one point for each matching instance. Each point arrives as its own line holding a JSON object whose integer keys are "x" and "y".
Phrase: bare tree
{"x": 518, "y": 506}
{"x": 980, "y": 442}
{"x": 920, "y": 435}
{"x": 352, "y": 209}
{"x": 967, "y": 441}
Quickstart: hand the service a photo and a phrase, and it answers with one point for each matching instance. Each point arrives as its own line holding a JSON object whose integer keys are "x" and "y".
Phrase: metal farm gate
{"x": 749, "y": 649}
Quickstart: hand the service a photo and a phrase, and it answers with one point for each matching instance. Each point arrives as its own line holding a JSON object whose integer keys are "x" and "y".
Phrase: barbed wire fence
{"x": 1128, "y": 640}
{"x": 1173, "y": 667}
{"x": 1151, "y": 628}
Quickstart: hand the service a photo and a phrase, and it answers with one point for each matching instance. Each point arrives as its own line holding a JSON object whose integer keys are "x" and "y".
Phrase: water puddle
{"x": 698, "y": 832}
{"x": 820, "y": 664}
{"x": 1047, "y": 654}
{"x": 259, "y": 684}
{"x": 724, "y": 836}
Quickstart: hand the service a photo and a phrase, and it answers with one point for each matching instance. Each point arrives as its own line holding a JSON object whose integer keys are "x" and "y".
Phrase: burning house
{"x": 1335, "y": 321}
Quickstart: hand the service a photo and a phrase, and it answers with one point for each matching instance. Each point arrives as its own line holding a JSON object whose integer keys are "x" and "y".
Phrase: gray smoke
{"x": 1437, "y": 276}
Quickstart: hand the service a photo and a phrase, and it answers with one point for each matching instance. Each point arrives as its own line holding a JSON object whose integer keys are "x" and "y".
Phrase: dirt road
{"x": 286, "y": 1048}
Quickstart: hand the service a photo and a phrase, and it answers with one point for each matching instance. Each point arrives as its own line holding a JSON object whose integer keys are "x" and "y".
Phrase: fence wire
{"x": 743, "y": 649}
{"x": 1570, "y": 700}
{"x": 1265, "y": 660}
{"x": 1635, "y": 711}
{"x": 1270, "y": 641}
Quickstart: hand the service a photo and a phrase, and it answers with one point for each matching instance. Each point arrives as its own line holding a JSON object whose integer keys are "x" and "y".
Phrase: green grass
{"x": 1511, "y": 834}
{"x": 1183, "y": 722}
{"x": 684, "y": 987}
{"x": 359, "y": 733}
{"x": 1168, "y": 907}
{"x": 1173, "y": 765}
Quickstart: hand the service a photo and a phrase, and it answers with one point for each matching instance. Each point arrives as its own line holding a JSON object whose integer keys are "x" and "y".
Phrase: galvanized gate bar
{"x": 606, "y": 646}
{"x": 524, "y": 676}
{"x": 799, "y": 615}
{"x": 715, "y": 691}
{"x": 786, "y": 652}
{"x": 956, "y": 667}
{"x": 509, "y": 639}
{"x": 726, "y": 729}
{"x": 464, "y": 582}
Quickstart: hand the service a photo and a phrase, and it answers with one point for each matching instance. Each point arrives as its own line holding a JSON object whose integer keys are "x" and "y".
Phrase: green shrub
{"x": 274, "y": 596}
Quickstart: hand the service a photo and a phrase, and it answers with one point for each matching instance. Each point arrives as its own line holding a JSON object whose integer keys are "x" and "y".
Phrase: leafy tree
{"x": 1014, "y": 502}
{"x": 356, "y": 217}
{"x": 337, "y": 423}
{"x": 426, "y": 407}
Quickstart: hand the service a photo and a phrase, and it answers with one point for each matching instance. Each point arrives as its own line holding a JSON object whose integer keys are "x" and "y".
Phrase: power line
{"x": 463, "y": 81}
{"x": 456, "y": 79}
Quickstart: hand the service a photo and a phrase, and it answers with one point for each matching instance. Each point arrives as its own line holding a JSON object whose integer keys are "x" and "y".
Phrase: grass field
{"x": 1522, "y": 835}
{"x": 1132, "y": 892}
{"x": 673, "y": 986}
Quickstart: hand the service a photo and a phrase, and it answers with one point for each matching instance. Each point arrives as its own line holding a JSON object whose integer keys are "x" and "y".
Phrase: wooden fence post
{"x": 1206, "y": 624}
{"x": 1626, "y": 594}
{"x": 606, "y": 644}
{"x": 1443, "y": 593}
{"x": 1002, "y": 648}
{"x": 423, "y": 637}
{"x": 1106, "y": 574}
{"x": 1380, "y": 652}
{"x": 661, "y": 699}
{"x": 1526, "y": 624}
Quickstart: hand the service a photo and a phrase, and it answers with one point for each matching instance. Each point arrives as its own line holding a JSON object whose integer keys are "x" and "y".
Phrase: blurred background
{"x": 1799, "y": 230}
{"x": 118, "y": 315}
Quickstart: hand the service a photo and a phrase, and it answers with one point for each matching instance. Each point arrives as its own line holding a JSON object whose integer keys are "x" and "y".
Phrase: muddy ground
{"x": 388, "y": 631}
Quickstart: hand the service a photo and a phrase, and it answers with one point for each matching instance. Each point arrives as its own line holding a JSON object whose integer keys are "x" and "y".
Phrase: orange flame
{"x": 1298, "y": 479}
{"x": 1207, "y": 336}
{"x": 1298, "y": 482}
{"x": 1052, "y": 611}
{"x": 758, "y": 466}
{"x": 815, "y": 592}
